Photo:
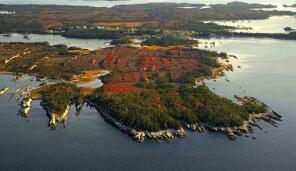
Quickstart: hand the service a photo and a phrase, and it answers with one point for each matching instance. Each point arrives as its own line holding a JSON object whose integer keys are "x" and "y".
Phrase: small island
{"x": 288, "y": 29}
{"x": 292, "y": 6}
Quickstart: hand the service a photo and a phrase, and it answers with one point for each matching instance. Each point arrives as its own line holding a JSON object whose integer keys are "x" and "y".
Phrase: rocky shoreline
{"x": 56, "y": 118}
{"x": 4, "y": 90}
{"x": 224, "y": 65}
{"x": 59, "y": 118}
{"x": 26, "y": 106}
{"x": 167, "y": 135}
{"x": 140, "y": 136}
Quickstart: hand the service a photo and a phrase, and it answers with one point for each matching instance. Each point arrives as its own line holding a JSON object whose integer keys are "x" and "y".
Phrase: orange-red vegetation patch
{"x": 157, "y": 102}
{"x": 129, "y": 77}
{"x": 152, "y": 24}
{"x": 149, "y": 62}
{"x": 109, "y": 60}
{"x": 140, "y": 64}
{"x": 86, "y": 90}
{"x": 36, "y": 93}
{"x": 119, "y": 24}
{"x": 54, "y": 25}
{"x": 152, "y": 63}
{"x": 85, "y": 62}
{"x": 126, "y": 24}
{"x": 120, "y": 88}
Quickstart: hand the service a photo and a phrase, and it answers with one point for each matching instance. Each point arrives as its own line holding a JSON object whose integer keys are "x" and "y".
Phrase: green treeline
{"x": 58, "y": 96}
{"x": 121, "y": 41}
{"x": 201, "y": 27}
{"x": 20, "y": 26}
{"x": 168, "y": 106}
{"x": 168, "y": 41}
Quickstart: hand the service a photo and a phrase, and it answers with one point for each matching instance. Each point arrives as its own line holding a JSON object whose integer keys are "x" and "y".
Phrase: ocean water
{"x": 57, "y": 39}
{"x": 274, "y": 24}
{"x": 89, "y": 143}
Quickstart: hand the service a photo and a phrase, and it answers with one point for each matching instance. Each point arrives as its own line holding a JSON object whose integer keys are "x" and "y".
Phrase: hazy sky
{"x": 106, "y": 3}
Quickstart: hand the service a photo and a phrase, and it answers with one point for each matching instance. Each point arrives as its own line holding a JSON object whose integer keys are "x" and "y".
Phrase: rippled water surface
{"x": 268, "y": 72}
{"x": 57, "y": 39}
{"x": 89, "y": 143}
{"x": 275, "y": 24}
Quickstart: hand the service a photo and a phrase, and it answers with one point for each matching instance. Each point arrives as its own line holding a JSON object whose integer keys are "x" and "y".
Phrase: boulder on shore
{"x": 59, "y": 118}
{"x": 26, "y": 105}
{"x": 139, "y": 136}
{"x": 181, "y": 133}
{"x": 231, "y": 135}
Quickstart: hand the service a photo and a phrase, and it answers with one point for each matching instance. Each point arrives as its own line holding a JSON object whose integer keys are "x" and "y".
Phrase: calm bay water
{"x": 268, "y": 72}
{"x": 275, "y": 24}
{"x": 89, "y": 143}
{"x": 57, "y": 39}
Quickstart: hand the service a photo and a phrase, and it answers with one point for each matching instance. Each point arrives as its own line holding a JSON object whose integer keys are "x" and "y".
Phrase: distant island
{"x": 133, "y": 20}
{"x": 293, "y": 6}
{"x": 106, "y": 0}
